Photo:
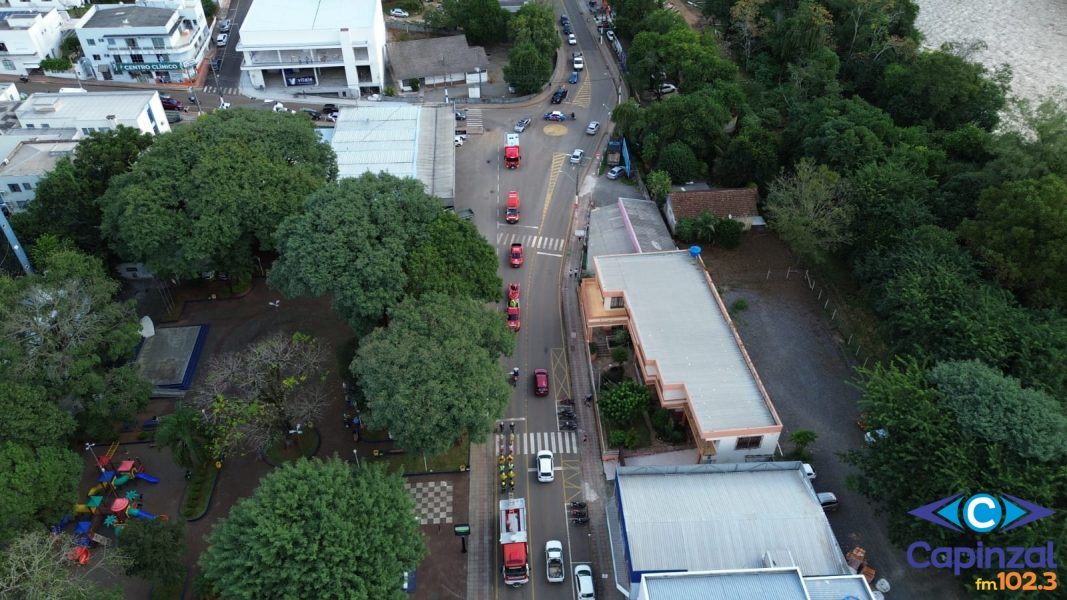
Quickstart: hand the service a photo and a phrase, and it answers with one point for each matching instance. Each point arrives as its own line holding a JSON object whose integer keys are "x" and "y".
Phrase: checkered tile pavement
{"x": 433, "y": 501}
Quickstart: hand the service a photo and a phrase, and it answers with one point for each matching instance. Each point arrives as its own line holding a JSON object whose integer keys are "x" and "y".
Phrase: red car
{"x": 512, "y": 309}
{"x": 540, "y": 382}
{"x": 511, "y": 214}
{"x": 515, "y": 257}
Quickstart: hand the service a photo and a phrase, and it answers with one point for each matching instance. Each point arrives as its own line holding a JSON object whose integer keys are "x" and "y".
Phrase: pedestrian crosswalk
{"x": 474, "y": 121}
{"x": 538, "y": 242}
{"x": 559, "y": 442}
{"x": 224, "y": 91}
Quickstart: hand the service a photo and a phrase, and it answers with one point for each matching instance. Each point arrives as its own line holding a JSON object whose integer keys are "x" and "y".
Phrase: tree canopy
{"x": 316, "y": 529}
{"x": 154, "y": 549}
{"x": 433, "y": 374}
{"x": 375, "y": 222}
{"x": 453, "y": 259}
{"x": 809, "y": 211}
{"x": 528, "y": 68}
{"x": 41, "y": 486}
{"x": 207, "y": 195}
{"x": 35, "y": 565}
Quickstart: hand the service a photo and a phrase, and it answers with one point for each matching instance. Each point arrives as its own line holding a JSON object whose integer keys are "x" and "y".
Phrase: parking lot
{"x": 807, "y": 374}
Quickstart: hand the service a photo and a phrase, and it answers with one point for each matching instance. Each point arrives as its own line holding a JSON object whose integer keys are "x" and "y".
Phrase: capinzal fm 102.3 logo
{"x": 981, "y": 513}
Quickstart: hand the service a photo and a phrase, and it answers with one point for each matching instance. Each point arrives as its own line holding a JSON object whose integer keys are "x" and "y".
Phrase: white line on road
{"x": 550, "y": 254}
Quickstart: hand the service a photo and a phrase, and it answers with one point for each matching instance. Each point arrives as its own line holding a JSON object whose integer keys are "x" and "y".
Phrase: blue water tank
{"x": 694, "y": 251}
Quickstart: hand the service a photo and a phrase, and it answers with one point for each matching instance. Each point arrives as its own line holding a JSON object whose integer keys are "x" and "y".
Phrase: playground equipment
{"x": 98, "y": 511}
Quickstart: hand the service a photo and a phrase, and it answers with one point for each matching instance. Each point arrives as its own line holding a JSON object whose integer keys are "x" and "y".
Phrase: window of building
{"x": 27, "y": 186}
{"x": 30, "y": 126}
{"x": 87, "y": 130}
{"x": 137, "y": 58}
{"x": 617, "y": 302}
{"x": 749, "y": 443}
{"x": 14, "y": 187}
{"x": 3, "y": 47}
{"x": 45, "y": 125}
{"x": 9, "y": 65}
{"x": 96, "y": 57}
{"x": 162, "y": 58}
{"x": 158, "y": 43}
{"x": 90, "y": 41}
{"x": 111, "y": 41}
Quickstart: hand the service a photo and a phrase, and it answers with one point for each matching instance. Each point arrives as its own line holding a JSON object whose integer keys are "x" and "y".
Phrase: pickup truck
{"x": 554, "y": 561}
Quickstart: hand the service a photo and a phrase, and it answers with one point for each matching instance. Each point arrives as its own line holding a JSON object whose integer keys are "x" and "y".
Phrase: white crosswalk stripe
{"x": 537, "y": 242}
{"x": 559, "y": 442}
{"x": 226, "y": 91}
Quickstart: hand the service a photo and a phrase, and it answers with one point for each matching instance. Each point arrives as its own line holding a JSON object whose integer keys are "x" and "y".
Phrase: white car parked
{"x": 583, "y": 583}
{"x": 399, "y": 12}
{"x": 573, "y": 41}
{"x": 222, "y": 40}
{"x": 546, "y": 472}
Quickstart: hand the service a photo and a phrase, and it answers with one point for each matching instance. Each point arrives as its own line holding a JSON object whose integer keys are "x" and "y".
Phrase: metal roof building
{"x": 401, "y": 139}
{"x": 630, "y": 226}
{"x": 724, "y": 517}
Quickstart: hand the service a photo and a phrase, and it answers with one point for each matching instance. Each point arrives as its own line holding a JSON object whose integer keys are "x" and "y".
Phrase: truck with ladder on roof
{"x": 512, "y": 153}
{"x": 513, "y": 542}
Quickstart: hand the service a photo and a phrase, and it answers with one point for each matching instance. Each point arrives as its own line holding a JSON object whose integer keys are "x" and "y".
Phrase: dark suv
{"x": 559, "y": 96}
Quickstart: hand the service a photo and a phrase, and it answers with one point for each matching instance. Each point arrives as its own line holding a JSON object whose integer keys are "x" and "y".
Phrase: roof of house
{"x": 630, "y": 225}
{"x": 128, "y": 15}
{"x": 35, "y": 158}
{"x": 727, "y": 204}
{"x": 430, "y": 57}
{"x": 777, "y": 583}
{"x": 725, "y": 516}
{"x": 58, "y": 107}
{"x": 293, "y": 16}
{"x": 681, "y": 324}
{"x": 398, "y": 138}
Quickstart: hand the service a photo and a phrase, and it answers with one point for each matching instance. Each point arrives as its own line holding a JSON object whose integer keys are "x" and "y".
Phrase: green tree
{"x": 375, "y": 221}
{"x": 624, "y": 401}
{"x": 182, "y": 432}
{"x": 750, "y": 157}
{"x": 72, "y": 337}
{"x": 535, "y": 23}
{"x": 998, "y": 409}
{"x": 251, "y": 399}
{"x": 484, "y": 22}
{"x": 433, "y": 374}
{"x": 1021, "y": 232}
{"x": 806, "y": 31}
{"x": 629, "y": 14}
{"x": 66, "y": 200}
{"x": 30, "y": 416}
{"x": 154, "y": 550}
{"x": 750, "y": 24}
{"x": 210, "y": 8}
{"x": 41, "y": 486}
{"x": 1035, "y": 146}
{"x": 659, "y": 185}
{"x": 35, "y": 565}
{"x": 211, "y": 193}
{"x": 70, "y": 46}
{"x": 943, "y": 91}
{"x": 809, "y": 211}
{"x": 802, "y": 439}
{"x": 528, "y": 68}
{"x": 357, "y": 542}
{"x": 680, "y": 162}
{"x": 889, "y": 199}
{"x": 453, "y": 259}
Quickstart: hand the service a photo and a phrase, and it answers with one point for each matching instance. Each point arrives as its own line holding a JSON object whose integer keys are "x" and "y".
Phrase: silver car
{"x": 616, "y": 172}
{"x": 522, "y": 124}
{"x": 593, "y": 128}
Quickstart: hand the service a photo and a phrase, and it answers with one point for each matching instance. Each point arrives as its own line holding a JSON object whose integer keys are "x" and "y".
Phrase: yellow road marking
{"x": 553, "y": 177}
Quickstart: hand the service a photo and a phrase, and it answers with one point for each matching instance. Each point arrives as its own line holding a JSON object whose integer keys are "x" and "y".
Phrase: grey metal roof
{"x": 398, "y": 138}
{"x": 780, "y": 584}
{"x": 631, "y": 225}
{"x": 428, "y": 57}
{"x": 36, "y": 158}
{"x": 726, "y": 516}
{"x": 836, "y": 588}
{"x": 129, "y": 15}
{"x": 680, "y": 323}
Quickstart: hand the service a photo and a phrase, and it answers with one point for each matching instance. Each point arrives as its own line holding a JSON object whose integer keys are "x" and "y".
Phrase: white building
{"x": 95, "y": 111}
{"x": 333, "y": 46}
{"x": 43, "y": 4}
{"x": 687, "y": 349}
{"x": 27, "y": 37}
{"x": 161, "y": 41}
{"x": 23, "y": 164}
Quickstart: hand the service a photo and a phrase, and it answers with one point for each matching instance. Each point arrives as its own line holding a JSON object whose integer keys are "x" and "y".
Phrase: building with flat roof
{"x": 94, "y": 111}
{"x": 28, "y": 36}
{"x": 777, "y": 583}
{"x": 686, "y": 348}
{"x": 317, "y": 46}
{"x": 24, "y": 165}
{"x": 763, "y": 518}
{"x": 402, "y": 139}
{"x": 629, "y": 226}
{"x": 152, "y": 41}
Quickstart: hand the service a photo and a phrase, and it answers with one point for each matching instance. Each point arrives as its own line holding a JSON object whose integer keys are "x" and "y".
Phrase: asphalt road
{"x": 546, "y": 182}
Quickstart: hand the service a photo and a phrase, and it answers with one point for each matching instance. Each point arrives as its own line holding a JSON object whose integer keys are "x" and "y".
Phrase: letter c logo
{"x": 982, "y": 513}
